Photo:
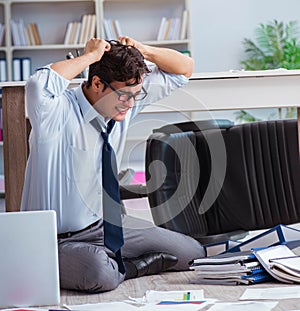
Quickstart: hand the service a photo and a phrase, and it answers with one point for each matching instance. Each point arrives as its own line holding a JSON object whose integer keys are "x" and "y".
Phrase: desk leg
{"x": 14, "y": 145}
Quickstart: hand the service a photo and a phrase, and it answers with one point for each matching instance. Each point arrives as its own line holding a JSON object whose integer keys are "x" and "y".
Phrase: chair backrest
{"x": 257, "y": 187}
{"x": 16, "y": 129}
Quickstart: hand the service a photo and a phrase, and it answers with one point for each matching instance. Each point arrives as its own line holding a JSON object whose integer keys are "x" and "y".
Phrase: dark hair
{"x": 121, "y": 63}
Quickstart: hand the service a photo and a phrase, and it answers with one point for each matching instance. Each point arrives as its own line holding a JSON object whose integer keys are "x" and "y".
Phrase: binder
{"x": 277, "y": 235}
{"x": 260, "y": 277}
{"x": 26, "y": 68}
{"x": 3, "y": 76}
{"x": 236, "y": 279}
{"x": 17, "y": 71}
{"x": 280, "y": 262}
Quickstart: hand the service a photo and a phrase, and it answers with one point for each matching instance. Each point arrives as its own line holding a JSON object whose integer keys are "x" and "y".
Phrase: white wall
{"x": 219, "y": 26}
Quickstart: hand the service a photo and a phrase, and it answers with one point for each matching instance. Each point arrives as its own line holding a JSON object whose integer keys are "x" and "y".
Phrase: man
{"x": 64, "y": 169}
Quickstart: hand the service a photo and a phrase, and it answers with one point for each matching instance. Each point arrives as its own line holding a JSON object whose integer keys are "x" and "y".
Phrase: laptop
{"x": 29, "y": 273}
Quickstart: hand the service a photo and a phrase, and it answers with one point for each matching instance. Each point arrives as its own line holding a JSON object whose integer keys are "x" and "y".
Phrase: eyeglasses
{"x": 126, "y": 96}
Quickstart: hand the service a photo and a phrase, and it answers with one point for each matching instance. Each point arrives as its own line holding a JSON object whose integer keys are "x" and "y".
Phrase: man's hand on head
{"x": 129, "y": 41}
{"x": 96, "y": 47}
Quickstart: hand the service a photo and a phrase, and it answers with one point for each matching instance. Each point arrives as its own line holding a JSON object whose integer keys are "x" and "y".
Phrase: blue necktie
{"x": 112, "y": 222}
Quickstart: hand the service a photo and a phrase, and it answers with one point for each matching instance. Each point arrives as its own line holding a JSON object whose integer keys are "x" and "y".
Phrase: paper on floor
{"x": 285, "y": 292}
{"x": 244, "y": 306}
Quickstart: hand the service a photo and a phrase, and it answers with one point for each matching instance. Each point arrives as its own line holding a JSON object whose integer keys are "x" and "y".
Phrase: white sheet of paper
{"x": 117, "y": 306}
{"x": 155, "y": 307}
{"x": 288, "y": 292}
{"x": 104, "y": 306}
{"x": 243, "y": 306}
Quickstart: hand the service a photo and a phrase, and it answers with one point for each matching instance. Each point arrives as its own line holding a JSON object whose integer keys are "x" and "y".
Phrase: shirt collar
{"x": 87, "y": 110}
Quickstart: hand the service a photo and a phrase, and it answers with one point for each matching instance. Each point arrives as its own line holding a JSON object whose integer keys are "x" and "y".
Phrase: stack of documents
{"x": 230, "y": 269}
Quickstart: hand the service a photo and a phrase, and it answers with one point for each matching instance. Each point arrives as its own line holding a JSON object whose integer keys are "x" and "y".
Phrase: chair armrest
{"x": 133, "y": 191}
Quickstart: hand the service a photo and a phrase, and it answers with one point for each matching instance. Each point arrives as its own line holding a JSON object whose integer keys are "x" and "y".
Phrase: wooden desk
{"x": 205, "y": 92}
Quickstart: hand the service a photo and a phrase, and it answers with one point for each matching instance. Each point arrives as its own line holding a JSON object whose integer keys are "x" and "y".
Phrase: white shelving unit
{"x": 139, "y": 19}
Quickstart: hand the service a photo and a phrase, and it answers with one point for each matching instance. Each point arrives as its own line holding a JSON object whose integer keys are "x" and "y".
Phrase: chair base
{"x": 233, "y": 236}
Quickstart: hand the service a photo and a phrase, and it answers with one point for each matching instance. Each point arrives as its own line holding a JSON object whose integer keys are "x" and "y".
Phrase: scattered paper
{"x": 157, "y": 296}
{"x": 117, "y": 306}
{"x": 288, "y": 292}
{"x": 243, "y": 306}
{"x": 111, "y": 306}
{"x": 172, "y": 307}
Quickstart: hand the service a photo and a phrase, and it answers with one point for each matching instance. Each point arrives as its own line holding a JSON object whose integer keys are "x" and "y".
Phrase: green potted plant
{"x": 277, "y": 46}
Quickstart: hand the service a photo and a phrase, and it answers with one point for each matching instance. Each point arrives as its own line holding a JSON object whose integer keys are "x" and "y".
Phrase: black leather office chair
{"x": 214, "y": 180}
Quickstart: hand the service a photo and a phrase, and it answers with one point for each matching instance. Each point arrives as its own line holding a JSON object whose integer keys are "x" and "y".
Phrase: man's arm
{"x": 93, "y": 51}
{"x": 166, "y": 59}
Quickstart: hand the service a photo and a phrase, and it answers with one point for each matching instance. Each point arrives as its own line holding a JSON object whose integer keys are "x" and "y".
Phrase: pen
{"x": 69, "y": 55}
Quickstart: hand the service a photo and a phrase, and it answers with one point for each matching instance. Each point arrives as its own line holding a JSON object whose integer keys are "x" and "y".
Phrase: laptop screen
{"x": 28, "y": 259}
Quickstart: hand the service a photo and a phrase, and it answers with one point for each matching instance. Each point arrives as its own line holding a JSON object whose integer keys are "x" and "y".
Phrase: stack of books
{"x": 174, "y": 28}
{"x": 112, "y": 29}
{"x": 80, "y": 32}
{"x": 24, "y": 35}
{"x": 230, "y": 269}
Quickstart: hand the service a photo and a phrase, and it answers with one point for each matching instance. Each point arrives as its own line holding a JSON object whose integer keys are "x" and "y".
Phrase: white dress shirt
{"x": 64, "y": 170}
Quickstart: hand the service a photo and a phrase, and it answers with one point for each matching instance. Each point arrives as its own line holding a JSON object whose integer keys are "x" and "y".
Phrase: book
{"x": 15, "y": 33}
{"x": 73, "y": 33}
{"x": 87, "y": 28}
{"x": 2, "y": 34}
{"x": 110, "y": 32}
{"x": 30, "y": 34}
{"x": 3, "y": 73}
{"x": 77, "y": 33}
{"x": 184, "y": 23}
{"x": 161, "y": 29}
{"x": 280, "y": 262}
{"x": 68, "y": 33}
{"x": 21, "y": 31}
{"x": 277, "y": 235}
{"x": 117, "y": 28}
{"x": 92, "y": 29}
{"x": 83, "y": 26}
{"x": 36, "y": 34}
{"x": 168, "y": 27}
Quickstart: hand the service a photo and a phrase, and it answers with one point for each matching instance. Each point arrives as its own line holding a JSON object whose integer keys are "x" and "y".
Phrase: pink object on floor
{"x": 139, "y": 178}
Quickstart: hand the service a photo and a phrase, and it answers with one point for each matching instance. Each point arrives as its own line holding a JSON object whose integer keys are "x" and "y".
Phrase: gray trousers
{"x": 86, "y": 264}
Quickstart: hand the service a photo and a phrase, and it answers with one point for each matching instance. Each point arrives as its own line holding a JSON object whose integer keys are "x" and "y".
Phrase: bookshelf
{"x": 139, "y": 19}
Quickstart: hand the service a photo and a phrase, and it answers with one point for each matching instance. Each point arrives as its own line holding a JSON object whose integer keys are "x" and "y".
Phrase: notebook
{"x": 28, "y": 259}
